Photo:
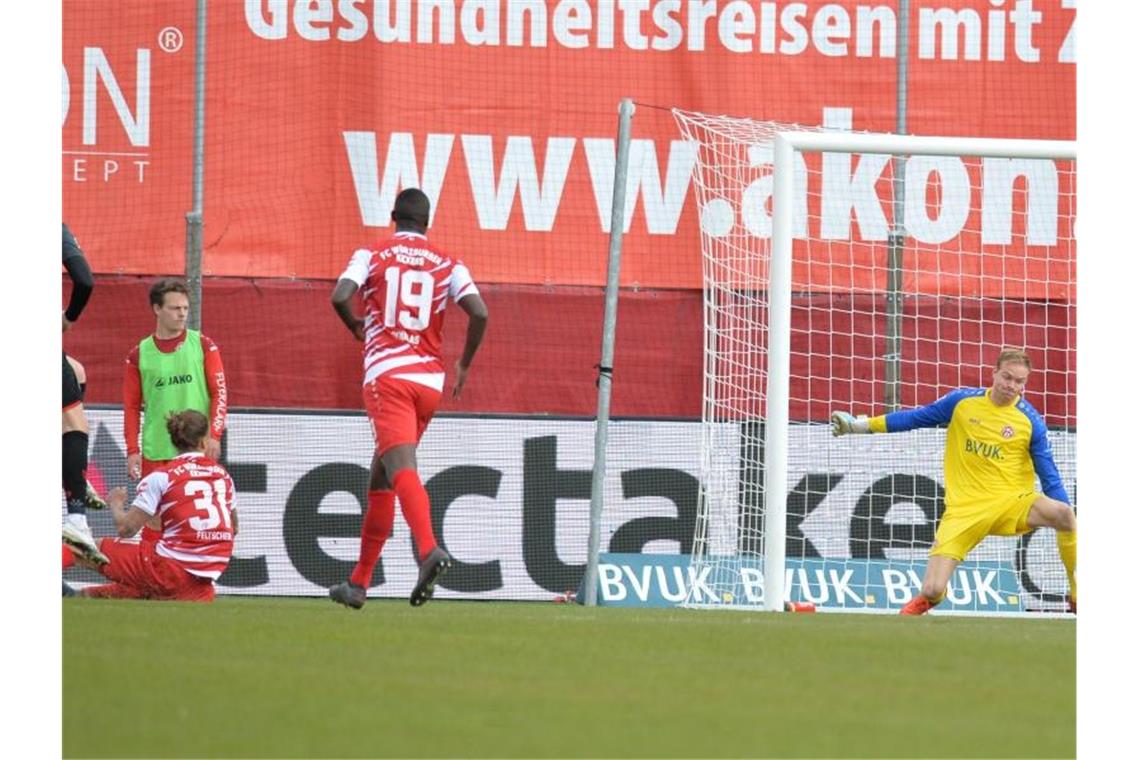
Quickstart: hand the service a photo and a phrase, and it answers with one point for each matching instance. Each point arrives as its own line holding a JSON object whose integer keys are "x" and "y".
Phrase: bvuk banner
{"x": 664, "y": 580}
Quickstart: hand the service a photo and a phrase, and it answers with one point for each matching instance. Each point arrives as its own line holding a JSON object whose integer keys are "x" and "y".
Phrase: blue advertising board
{"x": 665, "y": 580}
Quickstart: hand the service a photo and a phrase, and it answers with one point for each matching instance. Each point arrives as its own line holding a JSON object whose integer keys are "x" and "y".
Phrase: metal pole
{"x": 605, "y": 369}
{"x": 897, "y": 239}
{"x": 776, "y": 392}
{"x": 194, "y": 217}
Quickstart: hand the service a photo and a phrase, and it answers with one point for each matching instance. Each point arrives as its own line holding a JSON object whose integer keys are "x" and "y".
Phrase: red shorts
{"x": 399, "y": 410}
{"x": 137, "y": 572}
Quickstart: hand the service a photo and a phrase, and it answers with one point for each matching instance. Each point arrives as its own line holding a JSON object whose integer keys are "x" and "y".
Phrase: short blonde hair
{"x": 1015, "y": 355}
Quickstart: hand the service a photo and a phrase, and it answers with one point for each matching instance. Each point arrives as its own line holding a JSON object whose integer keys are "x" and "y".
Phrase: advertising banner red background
{"x": 279, "y": 190}
{"x": 309, "y": 112}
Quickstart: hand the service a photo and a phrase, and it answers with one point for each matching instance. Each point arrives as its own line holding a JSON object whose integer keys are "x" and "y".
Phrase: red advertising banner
{"x": 505, "y": 112}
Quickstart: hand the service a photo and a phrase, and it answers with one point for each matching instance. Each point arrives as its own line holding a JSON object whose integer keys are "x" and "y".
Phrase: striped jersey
{"x": 194, "y": 498}
{"x": 406, "y": 284}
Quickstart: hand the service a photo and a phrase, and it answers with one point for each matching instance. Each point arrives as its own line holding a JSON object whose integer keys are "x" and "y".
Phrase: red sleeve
{"x": 132, "y": 401}
{"x": 216, "y": 383}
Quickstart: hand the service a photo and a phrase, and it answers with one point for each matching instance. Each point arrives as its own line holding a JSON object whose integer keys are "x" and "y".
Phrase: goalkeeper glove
{"x": 843, "y": 423}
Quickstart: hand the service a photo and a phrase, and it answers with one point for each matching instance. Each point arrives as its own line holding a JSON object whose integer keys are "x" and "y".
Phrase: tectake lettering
{"x": 511, "y": 506}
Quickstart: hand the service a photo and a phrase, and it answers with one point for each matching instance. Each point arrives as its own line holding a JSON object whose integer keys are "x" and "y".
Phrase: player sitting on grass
{"x": 995, "y": 443}
{"x": 192, "y": 495}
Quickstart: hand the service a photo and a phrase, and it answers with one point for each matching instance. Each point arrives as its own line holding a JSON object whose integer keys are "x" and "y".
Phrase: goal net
{"x": 910, "y": 263}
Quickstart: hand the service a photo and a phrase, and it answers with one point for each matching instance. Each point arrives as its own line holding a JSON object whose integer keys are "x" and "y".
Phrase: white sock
{"x": 79, "y": 521}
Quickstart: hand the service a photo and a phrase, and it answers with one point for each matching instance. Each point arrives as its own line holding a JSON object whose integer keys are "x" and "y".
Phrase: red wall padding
{"x": 283, "y": 346}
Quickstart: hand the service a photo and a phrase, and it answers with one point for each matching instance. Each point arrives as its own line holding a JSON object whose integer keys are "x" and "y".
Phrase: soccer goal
{"x": 869, "y": 272}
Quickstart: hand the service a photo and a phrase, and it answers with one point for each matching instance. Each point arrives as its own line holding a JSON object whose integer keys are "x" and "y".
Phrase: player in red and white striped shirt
{"x": 405, "y": 285}
{"x": 193, "y": 496}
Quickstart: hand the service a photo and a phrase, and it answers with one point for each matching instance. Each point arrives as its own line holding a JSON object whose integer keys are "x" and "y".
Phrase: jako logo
{"x": 173, "y": 380}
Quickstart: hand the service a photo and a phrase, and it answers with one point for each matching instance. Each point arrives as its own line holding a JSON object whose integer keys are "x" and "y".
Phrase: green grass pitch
{"x": 252, "y": 677}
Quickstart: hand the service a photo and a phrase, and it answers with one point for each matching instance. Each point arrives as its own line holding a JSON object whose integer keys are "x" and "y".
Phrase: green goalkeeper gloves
{"x": 843, "y": 423}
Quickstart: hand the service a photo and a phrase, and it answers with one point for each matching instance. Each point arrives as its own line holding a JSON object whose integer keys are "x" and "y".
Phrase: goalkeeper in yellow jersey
{"x": 995, "y": 443}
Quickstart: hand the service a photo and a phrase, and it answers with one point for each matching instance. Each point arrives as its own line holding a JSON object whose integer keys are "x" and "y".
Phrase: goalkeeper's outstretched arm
{"x": 931, "y": 415}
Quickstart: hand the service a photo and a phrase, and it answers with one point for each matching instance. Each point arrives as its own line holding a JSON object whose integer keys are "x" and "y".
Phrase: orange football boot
{"x": 918, "y": 605}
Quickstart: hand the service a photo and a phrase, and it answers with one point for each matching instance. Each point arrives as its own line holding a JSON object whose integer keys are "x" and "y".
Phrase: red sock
{"x": 68, "y": 557}
{"x": 374, "y": 532}
{"x": 417, "y": 509}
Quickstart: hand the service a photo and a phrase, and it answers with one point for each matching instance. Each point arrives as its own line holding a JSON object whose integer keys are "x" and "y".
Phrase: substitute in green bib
{"x": 166, "y": 373}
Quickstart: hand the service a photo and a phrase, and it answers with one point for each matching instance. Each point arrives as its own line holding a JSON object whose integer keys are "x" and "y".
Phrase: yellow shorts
{"x": 963, "y": 528}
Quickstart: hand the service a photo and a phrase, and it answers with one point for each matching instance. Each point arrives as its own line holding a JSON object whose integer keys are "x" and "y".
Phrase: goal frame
{"x": 785, "y": 146}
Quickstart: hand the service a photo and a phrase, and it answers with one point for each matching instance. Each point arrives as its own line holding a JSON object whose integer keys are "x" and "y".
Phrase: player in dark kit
{"x": 76, "y": 533}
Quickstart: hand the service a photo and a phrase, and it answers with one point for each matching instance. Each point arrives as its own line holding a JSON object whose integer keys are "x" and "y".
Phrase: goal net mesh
{"x": 886, "y": 314}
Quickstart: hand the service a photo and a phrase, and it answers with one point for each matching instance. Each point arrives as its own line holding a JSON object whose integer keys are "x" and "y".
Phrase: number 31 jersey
{"x": 194, "y": 497}
{"x": 406, "y": 284}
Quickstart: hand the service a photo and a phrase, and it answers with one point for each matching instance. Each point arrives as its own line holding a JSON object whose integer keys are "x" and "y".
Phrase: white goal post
{"x": 969, "y": 277}
{"x": 779, "y": 304}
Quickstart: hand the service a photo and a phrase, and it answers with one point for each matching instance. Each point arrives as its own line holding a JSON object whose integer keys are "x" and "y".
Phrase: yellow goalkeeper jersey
{"x": 992, "y": 452}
